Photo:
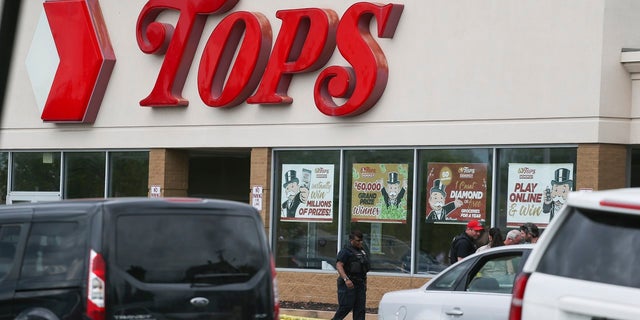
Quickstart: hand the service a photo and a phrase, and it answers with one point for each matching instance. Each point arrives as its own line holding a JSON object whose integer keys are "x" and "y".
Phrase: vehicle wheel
{"x": 37, "y": 314}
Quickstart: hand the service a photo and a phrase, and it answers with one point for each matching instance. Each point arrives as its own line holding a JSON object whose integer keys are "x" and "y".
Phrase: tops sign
{"x": 305, "y": 43}
{"x": 256, "y": 74}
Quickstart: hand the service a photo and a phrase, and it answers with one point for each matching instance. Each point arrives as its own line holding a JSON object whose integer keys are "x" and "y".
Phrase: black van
{"x": 135, "y": 259}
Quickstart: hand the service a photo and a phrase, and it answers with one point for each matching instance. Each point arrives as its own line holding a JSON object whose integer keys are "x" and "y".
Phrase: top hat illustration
{"x": 393, "y": 178}
{"x": 562, "y": 176}
{"x": 289, "y": 177}
{"x": 438, "y": 187}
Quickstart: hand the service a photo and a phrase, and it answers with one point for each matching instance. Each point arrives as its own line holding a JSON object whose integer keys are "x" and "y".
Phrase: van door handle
{"x": 456, "y": 312}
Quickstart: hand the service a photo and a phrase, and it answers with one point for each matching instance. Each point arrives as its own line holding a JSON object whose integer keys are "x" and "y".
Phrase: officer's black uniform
{"x": 356, "y": 265}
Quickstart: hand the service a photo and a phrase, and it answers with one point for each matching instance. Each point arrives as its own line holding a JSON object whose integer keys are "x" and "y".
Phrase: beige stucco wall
{"x": 460, "y": 73}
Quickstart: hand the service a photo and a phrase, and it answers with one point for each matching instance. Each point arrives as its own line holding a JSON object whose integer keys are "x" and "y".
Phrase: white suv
{"x": 586, "y": 265}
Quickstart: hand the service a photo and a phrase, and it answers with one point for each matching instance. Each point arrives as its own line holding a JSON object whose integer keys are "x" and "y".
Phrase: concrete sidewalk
{"x": 295, "y": 314}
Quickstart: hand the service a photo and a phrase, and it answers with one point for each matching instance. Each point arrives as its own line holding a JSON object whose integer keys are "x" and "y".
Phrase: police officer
{"x": 352, "y": 265}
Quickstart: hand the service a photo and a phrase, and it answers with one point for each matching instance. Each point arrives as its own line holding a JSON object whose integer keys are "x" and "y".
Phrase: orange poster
{"x": 456, "y": 192}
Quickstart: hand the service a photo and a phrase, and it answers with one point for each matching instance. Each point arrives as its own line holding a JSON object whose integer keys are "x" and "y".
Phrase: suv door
{"x": 587, "y": 267}
{"x": 11, "y": 236}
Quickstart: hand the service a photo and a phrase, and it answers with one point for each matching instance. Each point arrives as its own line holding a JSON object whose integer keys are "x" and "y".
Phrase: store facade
{"x": 403, "y": 119}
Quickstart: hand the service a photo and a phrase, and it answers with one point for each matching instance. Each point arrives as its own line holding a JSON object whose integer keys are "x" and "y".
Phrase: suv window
{"x": 183, "y": 248}
{"x": 596, "y": 246}
{"x": 55, "y": 251}
{"x": 9, "y": 236}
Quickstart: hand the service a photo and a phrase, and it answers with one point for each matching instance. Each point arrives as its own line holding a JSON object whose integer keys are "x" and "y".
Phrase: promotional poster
{"x": 379, "y": 192}
{"x": 307, "y": 193}
{"x": 456, "y": 192}
{"x": 537, "y": 191}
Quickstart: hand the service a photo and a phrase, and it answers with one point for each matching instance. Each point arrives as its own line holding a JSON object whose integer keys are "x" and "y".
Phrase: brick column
{"x": 601, "y": 166}
{"x": 261, "y": 176}
{"x": 169, "y": 169}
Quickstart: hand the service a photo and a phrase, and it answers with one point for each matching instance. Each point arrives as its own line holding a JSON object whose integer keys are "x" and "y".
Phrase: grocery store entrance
{"x": 220, "y": 174}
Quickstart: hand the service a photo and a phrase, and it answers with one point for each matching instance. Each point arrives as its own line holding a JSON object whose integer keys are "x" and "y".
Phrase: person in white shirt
{"x": 495, "y": 239}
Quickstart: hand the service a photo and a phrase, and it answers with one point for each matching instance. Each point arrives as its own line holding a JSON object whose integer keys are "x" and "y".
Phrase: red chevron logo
{"x": 86, "y": 60}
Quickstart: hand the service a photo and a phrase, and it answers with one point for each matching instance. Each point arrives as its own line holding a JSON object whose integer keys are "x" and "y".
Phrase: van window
{"x": 9, "y": 236}
{"x": 187, "y": 248}
{"x": 595, "y": 246}
{"x": 55, "y": 251}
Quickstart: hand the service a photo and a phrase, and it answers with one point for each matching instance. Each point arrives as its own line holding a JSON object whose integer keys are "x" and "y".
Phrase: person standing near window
{"x": 530, "y": 232}
{"x": 495, "y": 239}
{"x": 352, "y": 266}
{"x": 464, "y": 244}
{"x": 513, "y": 237}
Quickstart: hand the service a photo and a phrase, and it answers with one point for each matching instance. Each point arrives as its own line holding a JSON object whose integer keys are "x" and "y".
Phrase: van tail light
{"x": 96, "y": 287}
{"x": 515, "y": 312}
{"x": 276, "y": 299}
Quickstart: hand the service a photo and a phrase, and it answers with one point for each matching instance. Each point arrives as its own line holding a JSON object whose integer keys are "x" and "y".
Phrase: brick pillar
{"x": 169, "y": 169}
{"x": 601, "y": 166}
{"x": 261, "y": 176}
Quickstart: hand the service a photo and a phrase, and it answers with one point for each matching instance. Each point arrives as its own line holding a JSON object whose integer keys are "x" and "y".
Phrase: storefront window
{"x": 377, "y": 197}
{"x": 533, "y": 184}
{"x": 84, "y": 174}
{"x": 306, "y": 208}
{"x": 128, "y": 174}
{"x": 454, "y": 186}
{"x": 378, "y": 200}
{"x": 36, "y": 171}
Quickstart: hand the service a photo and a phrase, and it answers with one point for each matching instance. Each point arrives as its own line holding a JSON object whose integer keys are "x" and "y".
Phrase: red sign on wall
{"x": 86, "y": 61}
{"x": 305, "y": 43}
{"x": 258, "y": 73}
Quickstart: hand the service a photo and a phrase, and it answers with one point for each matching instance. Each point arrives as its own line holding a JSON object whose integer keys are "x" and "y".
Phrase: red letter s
{"x": 363, "y": 84}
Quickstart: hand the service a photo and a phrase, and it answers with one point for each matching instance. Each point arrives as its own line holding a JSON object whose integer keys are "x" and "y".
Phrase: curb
{"x": 294, "y": 314}
{"x": 288, "y": 317}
